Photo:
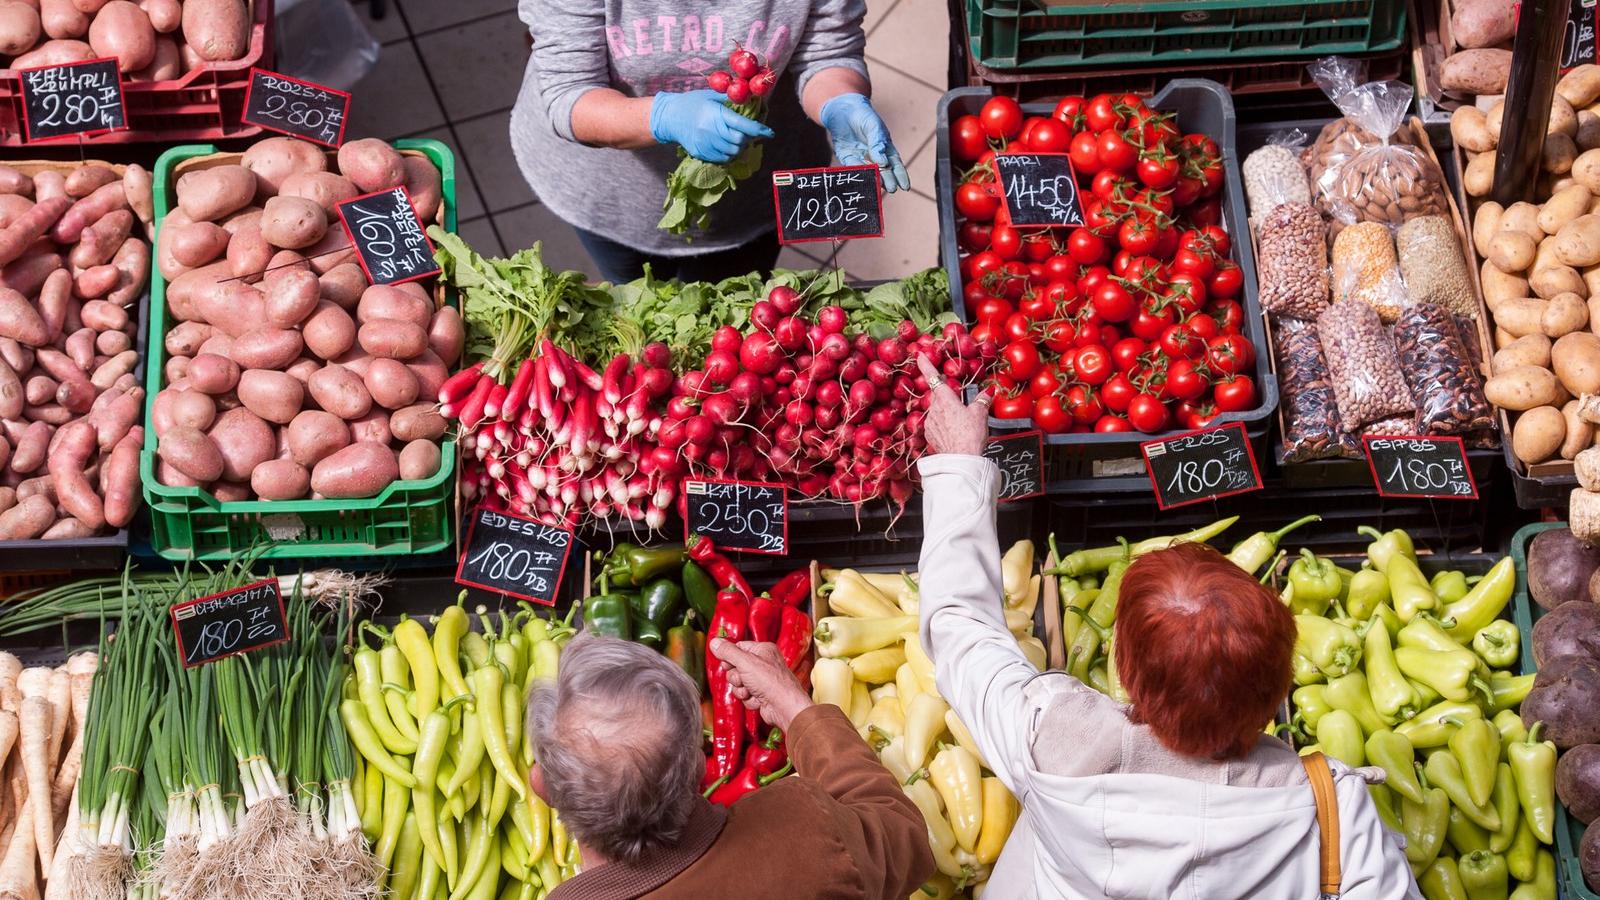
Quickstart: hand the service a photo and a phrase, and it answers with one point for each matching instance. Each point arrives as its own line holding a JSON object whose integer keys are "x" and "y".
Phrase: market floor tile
{"x": 909, "y": 38}
{"x": 477, "y": 67}
{"x": 395, "y": 98}
{"x": 486, "y": 143}
{"x": 429, "y": 15}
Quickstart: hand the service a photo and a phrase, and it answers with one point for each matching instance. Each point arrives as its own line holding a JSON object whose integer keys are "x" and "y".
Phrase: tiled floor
{"x": 450, "y": 70}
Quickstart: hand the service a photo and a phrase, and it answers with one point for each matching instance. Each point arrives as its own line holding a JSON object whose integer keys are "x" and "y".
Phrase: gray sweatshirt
{"x": 644, "y": 47}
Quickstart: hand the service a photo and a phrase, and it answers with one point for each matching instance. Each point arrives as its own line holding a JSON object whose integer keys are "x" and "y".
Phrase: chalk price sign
{"x": 1021, "y": 461}
{"x": 835, "y": 204}
{"x": 236, "y": 621}
{"x": 390, "y": 242}
{"x": 1578, "y": 42}
{"x": 511, "y": 554}
{"x": 1202, "y": 465}
{"x": 1431, "y": 467}
{"x": 304, "y": 109}
{"x": 76, "y": 98}
{"x": 747, "y": 516}
{"x": 1040, "y": 189}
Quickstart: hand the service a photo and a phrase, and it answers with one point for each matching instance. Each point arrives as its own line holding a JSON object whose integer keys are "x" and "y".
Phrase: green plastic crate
{"x": 1043, "y": 35}
{"x": 1525, "y": 612}
{"x": 409, "y": 517}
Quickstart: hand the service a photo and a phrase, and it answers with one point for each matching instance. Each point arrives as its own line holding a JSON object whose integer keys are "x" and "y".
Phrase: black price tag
{"x": 1040, "y": 189}
{"x": 390, "y": 242}
{"x": 304, "y": 109}
{"x": 1578, "y": 41}
{"x": 835, "y": 204}
{"x": 76, "y": 98}
{"x": 236, "y": 621}
{"x": 1202, "y": 465}
{"x": 510, "y": 554}
{"x": 1432, "y": 467}
{"x": 747, "y": 516}
{"x": 1021, "y": 460}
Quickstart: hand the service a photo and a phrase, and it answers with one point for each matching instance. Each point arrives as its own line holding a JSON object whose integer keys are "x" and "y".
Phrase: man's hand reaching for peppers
{"x": 761, "y": 680}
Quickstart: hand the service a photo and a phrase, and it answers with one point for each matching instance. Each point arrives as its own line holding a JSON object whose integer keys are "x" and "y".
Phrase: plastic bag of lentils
{"x": 1311, "y": 427}
{"x": 1365, "y": 370}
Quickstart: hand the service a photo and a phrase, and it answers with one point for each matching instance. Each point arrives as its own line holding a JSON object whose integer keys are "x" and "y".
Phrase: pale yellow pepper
{"x": 924, "y": 724}
{"x": 851, "y": 595}
{"x": 878, "y": 666}
{"x": 956, "y": 776}
{"x": 1000, "y": 811}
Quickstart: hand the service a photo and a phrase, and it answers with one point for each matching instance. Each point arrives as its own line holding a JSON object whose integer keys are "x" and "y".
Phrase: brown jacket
{"x": 841, "y": 829}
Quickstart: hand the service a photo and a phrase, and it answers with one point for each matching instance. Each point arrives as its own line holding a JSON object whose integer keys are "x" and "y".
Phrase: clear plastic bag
{"x": 1367, "y": 381}
{"x": 1365, "y": 269}
{"x": 1274, "y": 176}
{"x": 1433, "y": 267}
{"x": 324, "y": 41}
{"x": 1367, "y": 169}
{"x": 1293, "y": 261}
{"x": 1394, "y": 426}
{"x": 1438, "y": 366}
{"x": 1311, "y": 428}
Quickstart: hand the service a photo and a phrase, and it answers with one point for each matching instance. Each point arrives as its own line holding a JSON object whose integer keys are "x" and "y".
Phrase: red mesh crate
{"x": 204, "y": 104}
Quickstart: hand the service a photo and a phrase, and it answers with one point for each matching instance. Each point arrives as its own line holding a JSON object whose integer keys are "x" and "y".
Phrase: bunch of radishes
{"x": 750, "y": 77}
{"x": 804, "y": 402}
{"x": 563, "y": 442}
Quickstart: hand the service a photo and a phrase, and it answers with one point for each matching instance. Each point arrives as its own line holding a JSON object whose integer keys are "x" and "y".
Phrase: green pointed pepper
{"x": 1351, "y": 692}
{"x": 1102, "y": 612}
{"x": 1427, "y": 695}
{"x": 1543, "y": 885}
{"x": 1390, "y": 620}
{"x": 1442, "y": 881}
{"x": 1333, "y": 648}
{"x": 1476, "y": 747}
{"x": 1484, "y": 602}
{"x": 1450, "y": 672}
{"x": 1443, "y": 770}
{"x": 1424, "y": 632}
{"x": 1433, "y": 726}
{"x": 1464, "y": 834}
{"x": 1484, "y": 874}
{"x": 1533, "y": 762}
{"x": 699, "y": 590}
{"x": 1522, "y": 859}
{"x": 1316, "y": 584}
{"x": 1098, "y": 559}
{"x": 1425, "y": 824}
{"x": 1498, "y": 643}
{"x": 1506, "y": 804}
{"x": 1509, "y": 690}
{"x": 1369, "y": 589}
{"x": 1340, "y": 736}
{"x": 1388, "y": 806}
{"x": 1306, "y": 672}
{"x": 1390, "y": 692}
{"x": 1512, "y": 731}
{"x": 1310, "y": 705}
{"x": 1393, "y": 754}
{"x": 1449, "y": 585}
{"x": 1393, "y": 555}
{"x": 1385, "y": 547}
{"x": 1256, "y": 550}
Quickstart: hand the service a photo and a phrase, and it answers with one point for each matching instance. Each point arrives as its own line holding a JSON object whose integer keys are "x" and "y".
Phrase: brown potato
{"x": 1549, "y": 280}
{"x": 1575, "y": 358}
{"x": 1564, "y": 314}
{"x": 1538, "y": 434}
{"x": 1522, "y": 388}
{"x": 1511, "y": 251}
{"x": 1579, "y": 433}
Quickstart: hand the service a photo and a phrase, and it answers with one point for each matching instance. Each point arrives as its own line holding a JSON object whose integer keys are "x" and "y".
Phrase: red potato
{"x": 114, "y": 368}
{"x": 5, "y": 458}
{"x": 362, "y": 469}
{"x": 267, "y": 348}
{"x": 303, "y": 368}
{"x": 165, "y": 65}
{"x": 372, "y": 165}
{"x": 387, "y": 301}
{"x": 49, "y": 413}
{"x": 248, "y": 252}
{"x": 84, "y": 180}
{"x": 161, "y": 408}
{"x": 105, "y": 199}
{"x": 62, "y": 21}
{"x": 27, "y": 520}
{"x": 431, "y": 373}
{"x": 132, "y": 263}
{"x": 218, "y": 343}
{"x": 13, "y": 207}
{"x": 137, "y": 185}
{"x": 417, "y": 422}
{"x": 192, "y": 409}
{"x": 27, "y": 274}
{"x": 210, "y": 194}
{"x": 287, "y": 260}
{"x": 68, "y": 529}
{"x": 392, "y": 338}
{"x": 185, "y": 338}
{"x": 293, "y": 222}
{"x": 75, "y": 396}
{"x": 121, "y": 479}
{"x": 18, "y": 357}
{"x": 55, "y": 297}
{"x": 314, "y": 435}
{"x": 166, "y": 262}
{"x": 447, "y": 335}
{"x": 276, "y": 159}
{"x": 198, "y": 243}
{"x": 245, "y": 441}
{"x": 213, "y": 374}
{"x": 326, "y": 189}
{"x": 191, "y": 452}
{"x": 168, "y": 474}
{"x": 20, "y": 27}
{"x": 62, "y": 366}
{"x": 244, "y": 218}
{"x": 419, "y": 460}
{"x": 343, "y": 285}
{"x": 111, "y": 343}
{"x": 102, "y": 315}
{"x": 20, "y": 321}
{"x": 117, "y": 418}
{"x": 356, "y": 360}
{"x": 48, "y": 184}
{"x": 340, "y": 391}
{"x": 290, "y": 297}
{"x": 54, "y": 53}
{"x": 423, "y": 184}
{"x": 12, "y": 181}
{"x": 100, "y": 241}
{"x": 232, "y": 491}
{"x": 391, "y": 384}
{"x": 329, "y": 331}
{"x": 274, "y": 396}
{"x": 31, "y": 449}
{"x": 374, "y": 427}
{"x": 216, "y": 30}
{"x": 12, "y": 393}
{"x": 333, "y": 251}
{"x": 66, "y": 466}
{"x": 45, "y": 215}
{"x": 96, "y": 282}
{"x": 165, "y": 15}
{"x": 39, "y": 390}
{"x": 8, "y": 497}
{"x": 38, "y": 486}
{"x": 89, "y": 7}
{"x": 280, "y": 479}
{"x": 185, "y": 291}
{"x": 233, "y": 307}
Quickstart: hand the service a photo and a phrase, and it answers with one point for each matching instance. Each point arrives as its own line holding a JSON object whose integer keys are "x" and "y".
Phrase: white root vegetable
{"x": 8, "y": 734}
{"x": 18, "y": 880}
{"x": 10, "y": 668}
{"x": 35, "y": 728}
{"x": 60, "y": 697}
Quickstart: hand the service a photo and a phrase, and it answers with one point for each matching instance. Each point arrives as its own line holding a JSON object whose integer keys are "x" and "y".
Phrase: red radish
{"x": 746, "y": 388}
{"x": 744, "y": 63}
{"x": 829, "y": 395}
{"x": 721, "y": 367}
{"x": 759, "y": 353}
{"x": 726, "y": 338}
{"x": 458, "y": 386}
{"x": 656, "y": 355}
{"x": 790, "y": 334}
{"x": 691, "y": 382}
{"x": 833, "y": 319}
{"x": 763, "y": 83}
{"x": 718, "y": 81}
{"x": 764, "y": 315}
{"x": 785, "y": 298}
{"x": 835, "y": 347}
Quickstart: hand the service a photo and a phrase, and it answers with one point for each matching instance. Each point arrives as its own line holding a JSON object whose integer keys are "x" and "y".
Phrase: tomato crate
{"x": 1112, "y": 462}
{"x": 407, "y": 518}
{"x": 203, "y": 104}
{"x": 1062, "y": 35}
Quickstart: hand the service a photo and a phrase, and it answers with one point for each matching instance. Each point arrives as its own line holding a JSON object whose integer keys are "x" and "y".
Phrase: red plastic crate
{"x": 205, "y": 104}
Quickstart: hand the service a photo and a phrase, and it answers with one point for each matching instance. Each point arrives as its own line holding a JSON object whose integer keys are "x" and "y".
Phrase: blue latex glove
{"x": 859, "y": 136}
{"x": 701, "y": 123}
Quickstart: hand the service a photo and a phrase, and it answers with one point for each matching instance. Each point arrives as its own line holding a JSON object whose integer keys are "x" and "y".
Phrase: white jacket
{"x": 1240, "y": 829}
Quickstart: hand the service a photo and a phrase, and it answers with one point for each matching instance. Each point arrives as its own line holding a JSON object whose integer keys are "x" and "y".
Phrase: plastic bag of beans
{"x": 1439, "y": 369}
{"x": 1363, "y": 365}
{"x": 1311, "y": 427}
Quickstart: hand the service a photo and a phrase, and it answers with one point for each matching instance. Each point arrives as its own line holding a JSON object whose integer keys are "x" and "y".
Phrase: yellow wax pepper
{"x": 851, "y": 595}
{"x": 924, "y": 724}
{"x": 1015, "y": 567}
{"x": 956, "y": 776}
{"x": 1000, "y": 811}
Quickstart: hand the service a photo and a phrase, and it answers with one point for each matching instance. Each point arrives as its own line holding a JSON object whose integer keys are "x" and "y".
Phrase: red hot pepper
{"x": 766, "y": 618}
{"x": 719, "y": 567}
{"x": 745, "y": 782}
{"x": 727, "y": 712}
{"x": 768, "y": 756}
{"x": 794, "y": 643}
{"x": 793, "y": 588}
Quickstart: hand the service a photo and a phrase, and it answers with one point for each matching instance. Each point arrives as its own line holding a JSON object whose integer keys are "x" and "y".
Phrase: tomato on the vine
{"x": 1152, "y": 319}
{"x": 1091, "y": 279}
{"x": 1125, "y": 353}
{"x": 1084, "y": 406}
{"x": 1050, "y": 415}
{"x": 1231, "y": 353}
{"x": 1038, "y": 246}
{"x": 1001, "y": 118}
{"x": 1138, "y": 235}
{"x": 1085, "y": 247}
{"x": 1017, "y": 327}
{"x": 967, "y": 140}
{"x": 1187, "y": 292}
{"x": 1228, "y": 314}
{"x": 1037, "y": 306}
{"x": 1190, "y": 261}
{"x": 1185, "y": 380}
{"x": 1226, "y": 280}
{"x": 1084, "y": 151}
{"x": 977, "y": 201}
{"x": 1014, "y": 279}
{"x": 1006, "y": 241}
{"x": 1115, "y": 153}
{"x": 1179, "y": 342}
{"x": 1102, "y": 113}
{"x": 1059, "y": 335}
{"x": 1194, "y": 416}
{"x": 1012, "y": 405}
{"x": 1234, "y": 393}
{"x": 1205, "y": 212}
{"x": 1185, "y": 191}
{"x": 992, "y": 310}
{"x": 1116, "y": 392}
{"x": 1046, "y": 380}
{"x": 982, "y": 263}
{"x": 1093, "y": 364}
{"x": 1049, "y": 136}
{"x": 985, "y": 333}
{"x": 1113, "y": 303}
{"x": 1203, "y": 326}
{"x": 1157, "y": 168}
{"x": 1070, "y": 111}
{"x": 973, "y": 236}
{"x": 1147, "y": 413}
{"x": 1020, "y": 359}
{"x": 1107, "y": 184}
{"x": 1060, "y": 267}
{"x": 1063, "y": 295}
{"x": 1108, "y": 424}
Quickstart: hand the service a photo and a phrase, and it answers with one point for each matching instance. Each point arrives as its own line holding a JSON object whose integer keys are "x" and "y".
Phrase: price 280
{"x": 503, "y": 562}
{"x": 734, "y": 521}
{"x": 74, "y": 110}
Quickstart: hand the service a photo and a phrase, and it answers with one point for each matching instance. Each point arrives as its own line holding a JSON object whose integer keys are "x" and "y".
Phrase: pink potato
{"x": 216, "y": 30}
{"x": 232, "y": 491}
{"x": 168, "y": 474}
{"x": 30, "y": 518}
{"x": 329, "y": 331}
{"x": 276, "y": 159}
{"x": 274, "y": 396}
{"x": 20, "y": 321}
{"x": 423, "y": 184}
{"x": 343, "y": 284}
{"x": 419, "y": 421}
{"x": 100, "y": 241}
{"x": 248, "y": 252}
{"x": 392, "y": 338}
{"x": 218, "y": 343}
{"x": 447, "y": 335}
{"x": 387, "y": 301}
{"x": 293, "y": 222}
{"x": 212, "y": 374}
{"x": 315, "y": 434}
{"x": 11, "y": 393}
{"x": 20, "y": 27}
{"x": 121, "y": 29}
{"x": 28, "y": 273}
{"x": 97, "y": 281}
{"x": 431, "y": 373}
{"x": 267, "y": 348}
{"x": 186, "y": 337}
{"x": 341, "y": 392}
{"x": 303, "y": 368}
{"x": 374, "y": 426}
{"x": 191, "y": 452}
{"x": 198, "y": 243}
{"x": 391, "y": 384}
{"x": 176, "y": 369}
{"x": 85, "y": 180}
{"x": 185, "y": 292}
{"x": 280, "y": 479}
{"x": 419, "y": 460}
{"x": 291, "y": 296}
{"x": 120, "y": 476}
{"x": 362, "y": 469}
{"x": 210, "y": 194}
{"x": 371, "y": 164}
{"x": 132, "y": 263}
{"x": 87, "y": 211}
{"x": 165, "y": 15}
{"x": 246, "y": 441}
{"x": 192, "y": 409}
{"x": 326, "y": 189}
{"x": 331, "y": 252}
{"x": 75, "y": 445}
{"x": 110, "y": 343}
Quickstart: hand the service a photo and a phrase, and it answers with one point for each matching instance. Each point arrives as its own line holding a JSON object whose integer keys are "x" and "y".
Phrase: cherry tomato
{"x": 1231, "y": 353}
{"x": 1185, "y": 381}
{"x": 1125, "y": 353}
{"x": 1226, "y": 280}
{"x": 1107, "y": 184}
{"x": 1045, "y": 381}
{"x": 1138, "y": 235}
{"x": 967, "y": 140}
{"x": 1117, "y": 392}
{"x": 1113, "y": 303}
{"x": 973, "y": 236}
{"x": 1050, "y": 415}
{"x": 1070, "y": 111}
{"x": 1090, "y": 328}
{"x": 1228, "y": 314}
{"x": 1084, "y": 406}
{"x": 985, "y": 333}
{"x": 1178, "y": 342}
{"x": 1093, "y": 364}
{"x": 1102, "y": 113}
{"x": 1234, "y": 393}
{"x": 1120, "y": 263}
{"x": 1084, "y": 151}
{"x": 1085, "y": 247}
{"x": 982, "y": 263}
{"x": 1014, "y": 279}
{"x": 1063, "y": 296}
{"x": 1092, "y": 278}
{"x": 1059, "y": 335}
{"x": 1157, "y": 169}
{"x": 1098, "y": 218}
{"x": 1050, "y": 136}
{"x": 1017, "y": 327}
{"x": 977, "y": 201}
{"x": 1020, "y": 358}
{"x": 1115, "y": 153}
{"x": 1061, "y": 267}
{"x": 1109, "y": 424}
{"x": 1151, "y": 320}
{"x": 1147, "y": 272}
{"x": 1206, "y": 212}
{"x": 1166, "y": 242}
{"x": 1220, "y": 241}
{"x": 1185, "y": 190}
{"x": 1001, "y": 118}
{"x": 1038, "y": 247}
{"x": 1147, "y": 413}
{"x": 993, "y": 310}
{"x": 1006, "y": 241}
{"x": 1160, "y": 201}
{"x": 1012, "y": 405}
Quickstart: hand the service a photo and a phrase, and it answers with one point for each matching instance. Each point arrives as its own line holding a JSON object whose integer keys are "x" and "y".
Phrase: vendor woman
{"x": 615, "y": 88}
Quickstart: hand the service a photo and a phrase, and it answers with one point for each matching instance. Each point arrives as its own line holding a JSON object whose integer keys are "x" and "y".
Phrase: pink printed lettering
{"x": 641, "y": 37}
{"x": 691, "y": 34}
{"x": 618, "y": 42}
{"x": 778, "y": 44}
{"x": 713, "y": 34}
{"x": 756, "y": 26}
{"x": 666, "y": 23}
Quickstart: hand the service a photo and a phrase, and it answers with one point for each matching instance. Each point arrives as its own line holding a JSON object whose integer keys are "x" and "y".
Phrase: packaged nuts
{"x": 1433, "y": 267}
{"x": 1438, "y": 367}
{"x": 1273, "y": 176}
{"x": 1311, "y": 427}
{"x": 1293, "y": 261}
{"x": 1365, "y": 269}
{"x": 1363, "y": 365}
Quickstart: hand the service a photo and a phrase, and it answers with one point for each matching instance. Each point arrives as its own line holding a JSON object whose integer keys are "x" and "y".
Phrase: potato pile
{"x": 73, "y": 265}
{"x": 1482, "y": 30}
{"x": 1541, "y": 275}
{"x": 288, "y": 374}
{"x": 152, "y": 40}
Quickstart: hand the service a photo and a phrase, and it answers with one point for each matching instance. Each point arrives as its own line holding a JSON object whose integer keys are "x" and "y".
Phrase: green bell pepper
{"x": 1391, "y": 693}
{"x": 1498, "y": 643}
{"x": 1543, "y": 885}
{"x": 629, "y": 565}
{"x": 1484, "y": 602}
{"x": 1443, "y": 770}
{"x": 1351, "y": 692}
{"x": 608, "y": 613}
{"x": 1509, "y": 690}
{"x": 1433, "y": 726}
{"x": 1453, "y": 673}
{"x": 1464, "y": 834}
{"x": 700, "y": 591}
{"x": 1425, "y": 824}
{"x": 1442, "y": 881}
{"x": 659, "y": 602}
{"x": 1533, "y": 762}
{"x": 1476, "y": 747}
{"x": 1484, "y": 874}
{"x": 1316, "y": 584}
{"x": 1505, "y": 803}
{"x": 1393, "y": 754}
{"x": 1340, "y": 736}
{"x": 1257, "y": 550}
{"x": 1331, "y": 647}
{"x": 1449, "y": 585}
{"x": 1369, "y": 589}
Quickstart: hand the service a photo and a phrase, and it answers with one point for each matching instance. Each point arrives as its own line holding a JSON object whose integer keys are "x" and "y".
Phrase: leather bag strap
{"x": 1316, "y": 766}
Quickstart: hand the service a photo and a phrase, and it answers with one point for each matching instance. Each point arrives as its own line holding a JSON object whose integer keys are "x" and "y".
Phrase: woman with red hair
{"x": 1179, "y": 793}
